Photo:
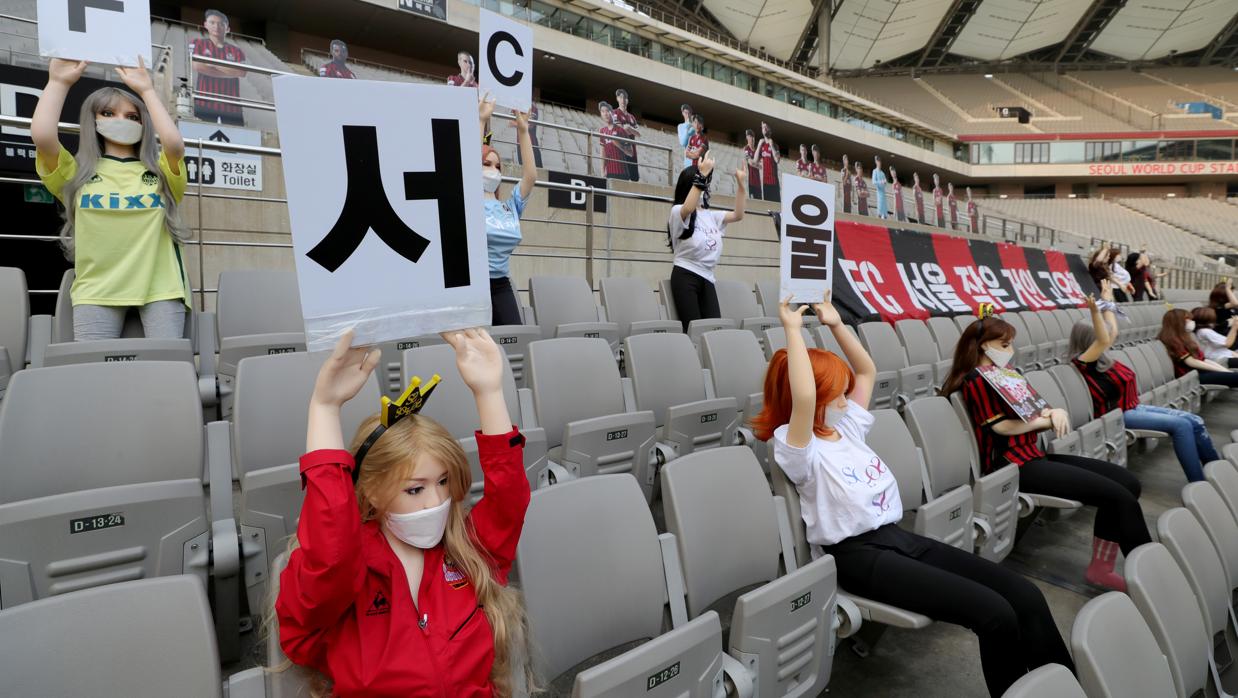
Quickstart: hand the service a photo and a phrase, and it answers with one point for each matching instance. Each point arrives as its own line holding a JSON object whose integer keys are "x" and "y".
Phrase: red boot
{"x": 1100, "y": 572}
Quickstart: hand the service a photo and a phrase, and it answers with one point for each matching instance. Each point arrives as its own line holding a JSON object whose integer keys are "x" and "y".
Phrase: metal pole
{"x": 201, "y": 256}
{"x": 589, "y": 236}
{"x": 588, "y": 153}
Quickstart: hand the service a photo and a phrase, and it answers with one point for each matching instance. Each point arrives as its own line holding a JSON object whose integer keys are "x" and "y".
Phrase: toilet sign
{"x": 100, "y": 31}
{"x": 806, "y": 261}
{"x": 506, "y": 65}
{"x": 385, "y": 201}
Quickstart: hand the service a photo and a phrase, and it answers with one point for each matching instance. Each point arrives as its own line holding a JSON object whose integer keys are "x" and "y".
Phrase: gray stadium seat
{"x": 1027, "y": 353}
{"x": 944, "y": 443}
{"x": 565, "y": 308}
{"x": 135, "y": 639}
{"x": 109, "y": 350}
{"x": 667, "y": 379}
{"x": 634, "y": 307}
{"x": 258, "y": 313}
{"x": 95, "y": 496}
{"x": 947, "y": 516}
{"x": 737, "y": 302}
{"x": 268, "y": 438}
{"x": 886, "y": 350}
{"x": 1163, "y": 596}
{"x": 18, "y": 330}
{"x": 696, "y": 328}
{"x": 453, "y": 406}
{"x": 1081, "y": 437}
{"x": 776, "y": 338}
{"x": 1188, "y": 543}
{"x": 729, "y": 532}
{"x": 1097, "y": 441}
{"x": 1048, "y": 681}
{"x": 867, "y": 609}
{"x": 390, "y": 367}
{"x": 596, "y": 575}
{"x": 922, "y": 349}
{"x": 1224, "y": 477}
{"x": 1202, "y": 499}
{"x": 515, "y": 340}
{"x": 737, "y": 367}
{"x": 767, "y": 297}
{"x": 1046, "y": 348}
{"x": 961, "y": 322}
{"x": 591, "y": 426}
{"x": 1115, "y": 653}
{"x": 945, "y": 333}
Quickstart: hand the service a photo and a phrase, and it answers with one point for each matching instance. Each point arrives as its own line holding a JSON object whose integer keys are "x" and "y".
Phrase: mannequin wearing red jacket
{"x": 385, "y": 607}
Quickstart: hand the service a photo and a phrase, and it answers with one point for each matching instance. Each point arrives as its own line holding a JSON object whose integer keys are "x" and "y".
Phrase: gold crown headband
{"x": 410, "y": 402}
{"x": 985, "y": 310}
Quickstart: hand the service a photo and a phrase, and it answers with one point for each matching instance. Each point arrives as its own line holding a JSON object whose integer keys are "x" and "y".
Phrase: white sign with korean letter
{"x": 102, "y": 31}
{"x": 506, "y": 69}
{"x": 384, "y": 197}
{"x": 807, "y": 256}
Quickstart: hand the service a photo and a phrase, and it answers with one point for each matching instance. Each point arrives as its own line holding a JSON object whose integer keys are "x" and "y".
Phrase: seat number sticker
{"x": 96, "y": 523}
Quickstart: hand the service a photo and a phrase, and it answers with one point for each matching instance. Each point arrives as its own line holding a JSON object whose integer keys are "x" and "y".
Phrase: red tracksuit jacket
{"x": 344, "y": 606}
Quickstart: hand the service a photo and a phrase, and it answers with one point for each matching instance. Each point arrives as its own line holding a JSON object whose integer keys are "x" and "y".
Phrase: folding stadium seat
{"x": 267, "y": 440}
{"x": 515, "y": 341}
{"x": 1115, "y": 652}
{"x": 453, "y": 406}
{"x": 1048, "y": 681}
{"x": 591, "y": 425}
{"x": 918, "y": 342}
{"x": 139, "y": 639}
{"x": 634, "y": 306}
{"x": 775, "y": 338}
{"x": 1082, "y": 437}
{"x": 19, "y": 332}
{"x": 1046, "y": 349}
{"x": 565, "y": 308}
{"x": 1064, "y": 320}
{"x": 946, "y": 334}
{"x": 737, "y": 302}
{"x": 1027, "y": 354}
{"x": 92, "y": 496}
{"x": 946, "y": 516}
{"x": 729, "y": 532}
{"x": 1223, "y": 475}
{"x": 696, "y": 328}
{"x": 1164, "y": 598}
{"x": 1179, "y": 392}
{"x": 995, "y": 497}
{"x": 913, "y": 382}
{"x": 1199, "y": 560}
{"x": 1136, "y": 435}
{"x": 390, "y": 377}
{"x": 867, "y": 609}
{"x": 607, "y": 585}
{"x": 258, "y": 313}
{"x": 1203, "y": 500}
{"x": 767, "y": 296}
{"x": 667, "y": 379}
{"x": 1103, "y": 437}
{"x": 961, "y": 322}
{"x": 1150, "y": 390}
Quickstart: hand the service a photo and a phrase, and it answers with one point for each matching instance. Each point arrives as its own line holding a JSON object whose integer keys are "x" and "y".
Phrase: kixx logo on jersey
{"x": 113, "y": 201}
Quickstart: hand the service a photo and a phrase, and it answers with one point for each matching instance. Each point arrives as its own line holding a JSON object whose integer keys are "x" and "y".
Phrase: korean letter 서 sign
{"x": 384, "y": 198}
{"x": 806, "y": 260}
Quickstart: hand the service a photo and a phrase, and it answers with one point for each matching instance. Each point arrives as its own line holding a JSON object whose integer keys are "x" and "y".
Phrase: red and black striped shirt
{"x": 1110, "y": 390}
{"x": 987, "y": 408}
{"x": 224, "y": 87}
{"x": 1180, "y": 367}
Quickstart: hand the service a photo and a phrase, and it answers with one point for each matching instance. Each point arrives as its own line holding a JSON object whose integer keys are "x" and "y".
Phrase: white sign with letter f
{"x": 101, "y": 31}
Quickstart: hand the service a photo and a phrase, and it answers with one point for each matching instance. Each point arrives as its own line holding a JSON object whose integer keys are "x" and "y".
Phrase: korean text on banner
{"x": 506, "y": 70}
{"x": 806, "y": 260}
{"x": 385, "y": 202}
{"x": 102, "y": 31}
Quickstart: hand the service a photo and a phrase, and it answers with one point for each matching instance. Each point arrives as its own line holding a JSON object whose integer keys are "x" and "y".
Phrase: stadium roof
{"x": 928, "y": 34}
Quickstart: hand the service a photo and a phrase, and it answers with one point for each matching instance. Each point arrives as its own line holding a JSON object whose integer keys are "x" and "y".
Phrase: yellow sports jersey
{"x": 124, "y": 253}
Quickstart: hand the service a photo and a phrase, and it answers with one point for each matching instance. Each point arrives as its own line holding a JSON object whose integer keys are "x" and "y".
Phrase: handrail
{"x": 249, "y": 67}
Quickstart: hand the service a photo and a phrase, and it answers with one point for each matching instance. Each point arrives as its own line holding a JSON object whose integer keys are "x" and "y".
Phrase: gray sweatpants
{"x": 160, "y": 320}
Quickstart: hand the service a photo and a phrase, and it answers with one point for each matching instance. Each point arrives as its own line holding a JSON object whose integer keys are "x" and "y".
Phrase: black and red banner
{"x": 891, "y": 274}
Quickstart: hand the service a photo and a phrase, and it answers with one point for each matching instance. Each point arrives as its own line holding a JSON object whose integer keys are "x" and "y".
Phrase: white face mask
{"x": 998, "y": 357}
{"x": 122, "y": 131}
{"x": 421, "y": 529}
{"x": 490, "y": 180}
{"x": 1190, "y": 325}
{"x": 834, "y": 415}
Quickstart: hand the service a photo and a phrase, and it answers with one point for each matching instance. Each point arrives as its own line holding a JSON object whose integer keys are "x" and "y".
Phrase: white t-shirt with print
{"x": 698, "y": 254}
{"x": 845, "y": 489}
{"x": 1212, "y": 343}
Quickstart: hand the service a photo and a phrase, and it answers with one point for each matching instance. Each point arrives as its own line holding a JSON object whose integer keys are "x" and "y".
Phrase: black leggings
{"x": 1006, "y": 611}
{"x": 504, "y": 310}
{"x": 695, "y": 298}
{"x": 1112, "y": 489}
{"x": 1218, "y": 378}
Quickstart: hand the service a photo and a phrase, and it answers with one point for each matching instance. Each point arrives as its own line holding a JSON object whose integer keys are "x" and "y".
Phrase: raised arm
{"x": 799, "y": 374}
{"x": 44, "y": 125}
{"x": 706, "y": 167}
{"x": 485, "y": 108}
{"x": 741, "y": 196}
{"x": 339, "y": 380}
{"x": 173, "y": 144}
{"x": 528, "y": 171}
{"x": 861, "y": 363}
{"x": 480, "y": 362}
{"x": 1102, "y": 342}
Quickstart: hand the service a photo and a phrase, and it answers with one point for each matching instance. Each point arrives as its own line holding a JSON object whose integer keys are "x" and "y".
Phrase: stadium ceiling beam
{"x": 835, "y": 6}
{"x": 1085, "y": 31}
{"x": 938, "y": 46}
{"x": 1224, "y": 46}
{"x": 808, "y": 37}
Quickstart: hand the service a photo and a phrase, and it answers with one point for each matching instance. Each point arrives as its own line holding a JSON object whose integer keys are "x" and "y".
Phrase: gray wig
{"x": 1081, "y": 337}
{"x": 90, "y": 147}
